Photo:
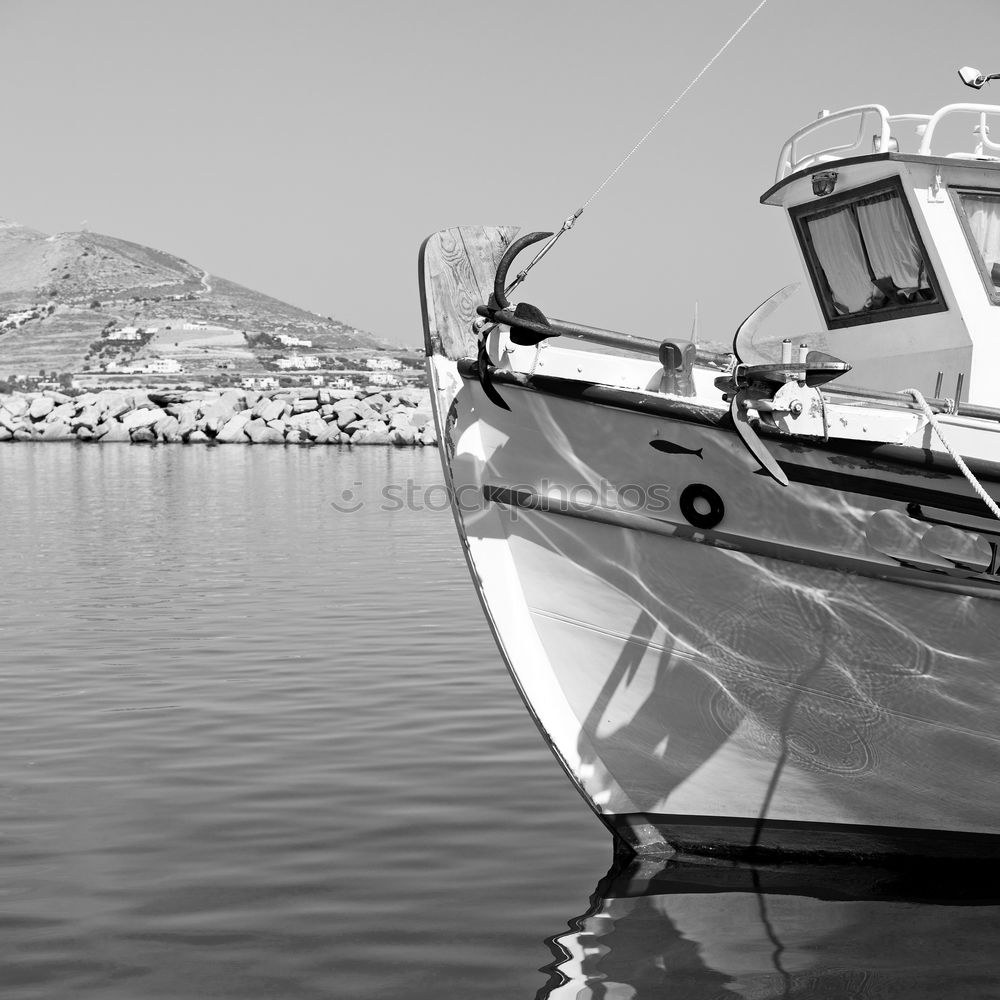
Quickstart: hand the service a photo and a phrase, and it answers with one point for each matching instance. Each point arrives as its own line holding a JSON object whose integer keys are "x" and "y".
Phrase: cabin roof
{"x": 768, "y": 197}
{"x": 880, "y": 135}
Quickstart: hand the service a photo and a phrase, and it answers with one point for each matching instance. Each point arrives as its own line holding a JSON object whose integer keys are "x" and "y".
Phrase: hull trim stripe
{"x": 956, "y": 582}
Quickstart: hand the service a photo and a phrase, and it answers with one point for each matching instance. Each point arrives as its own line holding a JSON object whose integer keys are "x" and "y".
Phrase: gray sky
{"x": 305, "y": 149}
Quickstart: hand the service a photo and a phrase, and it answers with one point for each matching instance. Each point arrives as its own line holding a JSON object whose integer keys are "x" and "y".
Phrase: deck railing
{"x": 881, "y": 138}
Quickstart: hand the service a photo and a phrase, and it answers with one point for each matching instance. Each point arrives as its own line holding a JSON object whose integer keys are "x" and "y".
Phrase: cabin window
{"x": 865, "y": 258}
{"x": 980, "y": 214}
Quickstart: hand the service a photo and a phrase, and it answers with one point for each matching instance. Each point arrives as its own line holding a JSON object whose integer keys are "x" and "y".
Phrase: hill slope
{"x": 57, "y": 294}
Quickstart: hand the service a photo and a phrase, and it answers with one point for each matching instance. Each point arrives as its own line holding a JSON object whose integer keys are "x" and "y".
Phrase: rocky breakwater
{"x": 226, "y": 416}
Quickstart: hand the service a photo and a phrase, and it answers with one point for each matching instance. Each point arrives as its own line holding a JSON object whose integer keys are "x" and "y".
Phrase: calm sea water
{"x": 254, "y": 746}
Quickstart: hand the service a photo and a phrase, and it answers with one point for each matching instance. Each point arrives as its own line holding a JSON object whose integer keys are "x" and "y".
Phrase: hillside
{"x": 58, "y": 293}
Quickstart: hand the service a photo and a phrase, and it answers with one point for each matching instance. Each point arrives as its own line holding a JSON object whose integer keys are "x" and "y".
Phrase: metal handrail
{"x": 983, "y": 110}
{"x": 788, "y": 162}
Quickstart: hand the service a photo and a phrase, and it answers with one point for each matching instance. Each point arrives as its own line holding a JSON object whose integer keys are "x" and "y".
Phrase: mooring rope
{"x": 959, "y": 461}
{"x": 570, "y": 220}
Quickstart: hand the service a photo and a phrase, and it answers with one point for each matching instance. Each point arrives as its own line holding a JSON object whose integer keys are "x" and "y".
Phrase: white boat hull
{"x": 782, "y": 674}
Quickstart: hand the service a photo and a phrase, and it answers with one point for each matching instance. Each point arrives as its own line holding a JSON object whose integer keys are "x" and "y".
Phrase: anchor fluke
{"x": 528, "y": 336}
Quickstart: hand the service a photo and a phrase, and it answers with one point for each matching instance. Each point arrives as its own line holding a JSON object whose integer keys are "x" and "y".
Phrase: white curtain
{"x": 892, "y": 247}
{"x": 838, "y": 247}
{"x": 983, "y": 213}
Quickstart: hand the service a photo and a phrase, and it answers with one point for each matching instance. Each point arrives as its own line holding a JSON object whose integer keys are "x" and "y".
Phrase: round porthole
{"x": 702, "y": 506}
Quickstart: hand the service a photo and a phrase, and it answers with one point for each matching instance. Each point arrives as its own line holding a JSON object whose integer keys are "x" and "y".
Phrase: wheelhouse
{"x": 901, "y": 249}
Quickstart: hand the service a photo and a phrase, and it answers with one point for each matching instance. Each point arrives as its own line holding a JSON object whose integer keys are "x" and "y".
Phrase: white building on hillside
{"x": 161, "y": 366}
{"x": 298, "y": 363}
{"x": 384, "y": 364}
{"x": 259, "y": 383}
{"x": 293, "y": 341}
{"x": 125, "y": 333}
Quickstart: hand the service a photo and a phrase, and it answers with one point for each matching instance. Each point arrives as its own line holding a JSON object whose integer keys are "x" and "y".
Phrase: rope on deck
{"x": 959, "y": 461}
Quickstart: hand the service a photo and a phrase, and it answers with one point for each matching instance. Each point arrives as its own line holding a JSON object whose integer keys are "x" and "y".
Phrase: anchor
{"x": 529, "y": 327}
{"x": 763, "y": 386}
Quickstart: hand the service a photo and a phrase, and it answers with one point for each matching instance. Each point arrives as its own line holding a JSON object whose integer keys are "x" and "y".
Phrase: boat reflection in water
{"x": 693, "y": 931}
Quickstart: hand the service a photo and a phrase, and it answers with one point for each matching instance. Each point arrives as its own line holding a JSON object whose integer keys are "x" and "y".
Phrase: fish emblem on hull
{"x": 670, "y": 448}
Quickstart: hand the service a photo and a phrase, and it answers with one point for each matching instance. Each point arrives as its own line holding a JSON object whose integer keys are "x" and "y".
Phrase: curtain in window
{"x": 891, "y": 244}
{"x": 838, "y": 247}
{"x": 983, "y": 213}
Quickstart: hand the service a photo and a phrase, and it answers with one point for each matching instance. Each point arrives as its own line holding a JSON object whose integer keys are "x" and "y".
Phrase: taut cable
{"x": 571, "y": 220}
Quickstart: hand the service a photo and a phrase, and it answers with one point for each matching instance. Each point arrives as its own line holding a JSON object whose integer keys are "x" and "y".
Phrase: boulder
{"x": 215, "y": 412}
{"x": 399, "y": 418}
{"x": 111, "y": 430}
{"x": 295, "y": 436}
{"x": 143, "y": 417}
{"x": 370, "y": 437}
{"x": 369, "y": 412}
{"x": 420, "y": 417}
{"x": 349, "y": 402}
{"x": 144, "y": 435}
{"x": 186, "y": 421}
{"x": 404, "y": 435}
{"x": 271, "y": 409}
{"x": 411, "y": 397}
{"x": 337, "y": 395}
{"x": 312, "y": 393}
{"x": 260, "y": 433}
{"x": 310, "y": 423}
{"x": 167, "y": 428}
{"x": 167, "y": 398}
{"x": 63, "y": 411}
{"x": 347, "y": 416}
{"x": 89, "y": 416}
{"x": 427, "y": 435}
{"x": 5, "y": 434}
{"x": 84, "y": 433}
{"x": 55, "y": 430}
{"x": 233, "y": 431}
{"x": 116, "y": 406}
{"x": 8, "y": 420}
{"x": 140, "y": 401}
{"x": 24, "y": 433}
{"x": 329, "y": 435}
{"x": 197, "y": 437}
{"x": 57, "y": 397}
{"x": 376, "y": 401}
{"x": 41, "y": 406}
{"x": 16, "y": 406}
{"x": 305, "y": 405}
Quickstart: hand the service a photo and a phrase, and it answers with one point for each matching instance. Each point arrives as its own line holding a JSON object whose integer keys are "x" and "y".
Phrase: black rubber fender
{"x": 716, "y": 508}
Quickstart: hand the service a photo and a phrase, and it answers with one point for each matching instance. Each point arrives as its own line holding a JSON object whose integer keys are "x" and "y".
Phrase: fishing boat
{"x": 752, "y": 599}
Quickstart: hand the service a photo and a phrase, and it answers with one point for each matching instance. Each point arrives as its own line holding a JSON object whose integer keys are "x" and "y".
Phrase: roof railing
{"x": 883, "y": 139}
{"x": 789, "y": 161}
{"x": 982, "y": 129}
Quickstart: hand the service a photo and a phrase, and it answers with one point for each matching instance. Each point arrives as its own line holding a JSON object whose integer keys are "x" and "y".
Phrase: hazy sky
{"x": 306, "y": 148}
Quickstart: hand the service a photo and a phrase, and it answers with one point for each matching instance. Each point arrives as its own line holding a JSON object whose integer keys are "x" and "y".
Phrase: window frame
{"x": 992, "y": 292}
{"x": 801, "y": 215}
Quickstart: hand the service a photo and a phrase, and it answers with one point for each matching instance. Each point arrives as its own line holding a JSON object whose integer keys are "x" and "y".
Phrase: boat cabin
{"x": 901, "y": 248}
